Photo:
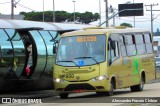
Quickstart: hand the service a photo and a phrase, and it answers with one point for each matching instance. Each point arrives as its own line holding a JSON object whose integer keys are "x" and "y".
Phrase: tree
{"x": 126, "y": 25}
{"x": 61, "y": 16}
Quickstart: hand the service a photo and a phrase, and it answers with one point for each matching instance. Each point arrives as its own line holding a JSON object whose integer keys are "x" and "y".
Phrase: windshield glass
{"x": 81, "y": 50}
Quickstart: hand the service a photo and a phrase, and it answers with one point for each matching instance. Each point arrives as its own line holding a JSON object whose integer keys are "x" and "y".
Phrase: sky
{"x": 86, "y": 5}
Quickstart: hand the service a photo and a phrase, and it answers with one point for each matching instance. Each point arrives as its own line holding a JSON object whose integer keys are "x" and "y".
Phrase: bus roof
{"x": 87, "y": 31}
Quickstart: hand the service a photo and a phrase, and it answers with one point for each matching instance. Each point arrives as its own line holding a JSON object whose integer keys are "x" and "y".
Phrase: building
{"x": 156, "y": 45}
{"x": 16, "y": 17}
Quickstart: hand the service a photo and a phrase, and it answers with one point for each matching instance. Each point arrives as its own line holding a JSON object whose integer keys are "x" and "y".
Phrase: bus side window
{"x": 148, "y": 43}
{"x": 122, "y": 46}
{"x": 114, "y": 51}
{"x": 140, "y": 46}
{"x": 130, "y": 45}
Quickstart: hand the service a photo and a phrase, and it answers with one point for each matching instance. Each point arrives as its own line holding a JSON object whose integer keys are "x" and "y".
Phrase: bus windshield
{"x": 81, "y": 50}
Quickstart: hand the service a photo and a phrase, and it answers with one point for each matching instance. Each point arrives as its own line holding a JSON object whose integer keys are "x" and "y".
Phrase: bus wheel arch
{"x": 112, "y": 86}
{"x": 143, "y": 75}
{"x": 113, "y": 81}
{"x": 140, "y": 86}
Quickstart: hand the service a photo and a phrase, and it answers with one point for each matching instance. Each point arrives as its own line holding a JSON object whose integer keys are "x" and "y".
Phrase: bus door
{"x": 115, "y": 61}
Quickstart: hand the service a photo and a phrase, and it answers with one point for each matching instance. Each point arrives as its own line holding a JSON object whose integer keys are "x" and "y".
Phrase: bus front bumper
{"x": 82, "y": 86}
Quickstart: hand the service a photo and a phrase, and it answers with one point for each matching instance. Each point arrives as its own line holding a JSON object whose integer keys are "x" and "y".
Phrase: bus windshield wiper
{"x": 88, "y": 57}
{"x": 69, "y": 61}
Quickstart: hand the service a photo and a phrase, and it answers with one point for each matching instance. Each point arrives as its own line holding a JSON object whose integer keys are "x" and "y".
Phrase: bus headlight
{"x": 58, "y": 80}
{"x": 99, "y": 78}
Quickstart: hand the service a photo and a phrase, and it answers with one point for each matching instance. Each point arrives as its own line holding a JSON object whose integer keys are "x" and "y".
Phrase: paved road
{"x": 151, "y": 90}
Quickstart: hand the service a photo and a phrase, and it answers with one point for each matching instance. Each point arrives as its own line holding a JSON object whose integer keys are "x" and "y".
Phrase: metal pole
{"x": 74, "y": 10}
{"x": 12, "y": 9}
{"x": 134, "y": 18}
{"x": 152, "y": 15}
{"x": 113, "y": 18}
{"x": 53, "y": 12}
{"x": 106, "y": 3}
{"x": 43, "y": 10}
{"x": 151, "y": 20}
{"x": 100, "y": 11}
{"x": 118, "y": 13}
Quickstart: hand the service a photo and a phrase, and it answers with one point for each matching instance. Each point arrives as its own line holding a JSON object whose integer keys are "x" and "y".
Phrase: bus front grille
{"x": 72, "y": 87}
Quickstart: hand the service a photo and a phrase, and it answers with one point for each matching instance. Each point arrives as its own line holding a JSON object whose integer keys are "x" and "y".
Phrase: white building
{"x": 156, "y": 45}
{"x": 16, "y": 17}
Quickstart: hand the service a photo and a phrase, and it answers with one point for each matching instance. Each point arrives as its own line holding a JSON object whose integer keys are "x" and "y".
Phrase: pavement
{"x": 30, "y": 94}
{"x": 40, "y": 93}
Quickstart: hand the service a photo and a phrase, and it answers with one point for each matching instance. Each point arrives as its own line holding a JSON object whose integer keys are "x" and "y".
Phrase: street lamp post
{"x": 53, "y": 12}
{"x": 134, "y": 17}
{"x": 107, "y": 21}
{"x": 12, "y": 9}
{"x": 74, "y": 10}
{"x": 100, "y": 11}
{"x": 43, "y": 10}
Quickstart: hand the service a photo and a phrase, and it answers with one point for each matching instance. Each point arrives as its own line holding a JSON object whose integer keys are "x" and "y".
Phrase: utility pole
{"x": 151, "y": 6}
{"x": 43, "y": 10}
{"x": 100, "y": 11}
{"x": 134, "y": 18}
{"x": 106, "y": 4}
{"x": 54, "y": 12}
{"x": 74, "y": 11}
{"x": 112, "y": 10}
{"x": 12, "y": 9}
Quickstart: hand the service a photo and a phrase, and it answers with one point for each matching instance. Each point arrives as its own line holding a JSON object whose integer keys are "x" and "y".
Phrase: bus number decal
{"x": 66, "y": 75}
{"x": 87, "y": 39}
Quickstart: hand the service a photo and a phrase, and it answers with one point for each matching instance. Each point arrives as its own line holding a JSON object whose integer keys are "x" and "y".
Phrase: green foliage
{"x": 126, "y": 25}
{"x": 61, "y": 16}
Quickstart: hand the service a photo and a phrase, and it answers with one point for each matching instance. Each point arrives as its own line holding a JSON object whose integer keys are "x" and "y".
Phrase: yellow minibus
{"x": 101, "y": 60}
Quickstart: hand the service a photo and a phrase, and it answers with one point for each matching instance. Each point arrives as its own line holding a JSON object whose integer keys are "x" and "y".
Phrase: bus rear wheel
{"x": 64, "y": 96}
{"x": 138, "y": 87}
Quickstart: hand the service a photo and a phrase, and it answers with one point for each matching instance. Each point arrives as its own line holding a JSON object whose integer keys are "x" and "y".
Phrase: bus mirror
{"x": 55, "y": 46}
{"x": 113, "y": 45}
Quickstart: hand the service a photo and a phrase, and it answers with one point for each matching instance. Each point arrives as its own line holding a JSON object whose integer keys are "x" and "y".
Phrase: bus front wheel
{"x": 110, "y": 92}
{"x": 107, "y": 93}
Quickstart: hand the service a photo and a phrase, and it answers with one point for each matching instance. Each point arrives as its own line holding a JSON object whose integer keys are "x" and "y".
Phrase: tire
{"x": 110, "y": 92}
{"x": 138, "y": 87}
{"x": 64, "y": 96}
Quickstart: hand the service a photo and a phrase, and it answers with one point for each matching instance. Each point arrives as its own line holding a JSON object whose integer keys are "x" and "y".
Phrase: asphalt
{"x": 41, "y": 93}
{"x": 30, "y": 94}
